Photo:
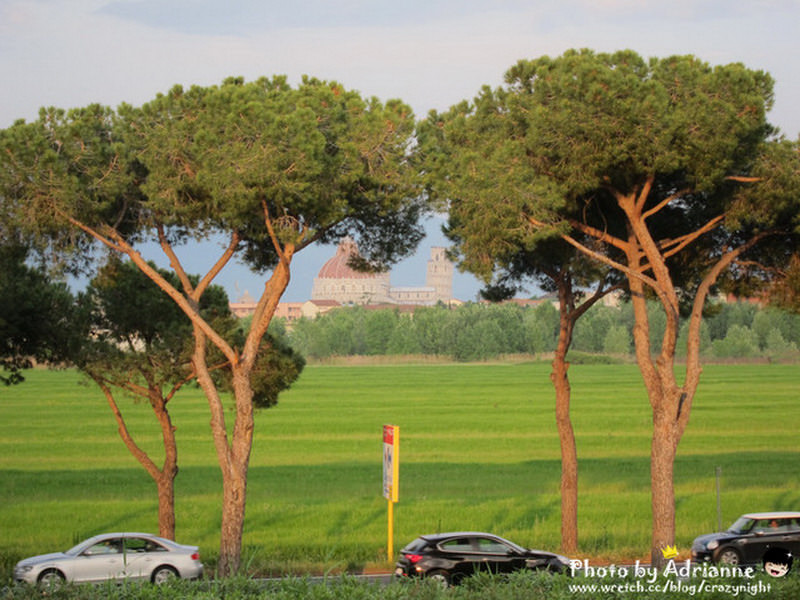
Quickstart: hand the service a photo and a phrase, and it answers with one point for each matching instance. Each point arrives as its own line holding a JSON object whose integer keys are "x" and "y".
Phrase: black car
{"x": 448, "y": 557}
{"x": 748, "y": 539}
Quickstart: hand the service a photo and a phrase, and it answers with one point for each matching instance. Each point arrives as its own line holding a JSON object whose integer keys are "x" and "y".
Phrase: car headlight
{"x": 712, "y": 545}
{"x": 23, "y": 568}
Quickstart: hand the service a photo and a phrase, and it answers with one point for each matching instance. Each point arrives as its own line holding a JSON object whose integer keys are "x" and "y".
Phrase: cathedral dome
{"x": 338, "y": 267}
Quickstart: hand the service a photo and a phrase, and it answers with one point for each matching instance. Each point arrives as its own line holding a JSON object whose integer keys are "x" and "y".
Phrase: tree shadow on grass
{"x": 419, "y": 480}
{"x": 336, "y": 505}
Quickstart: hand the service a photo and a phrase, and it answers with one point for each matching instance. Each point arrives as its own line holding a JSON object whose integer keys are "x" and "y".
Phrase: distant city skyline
{"x": 237, "y": 279}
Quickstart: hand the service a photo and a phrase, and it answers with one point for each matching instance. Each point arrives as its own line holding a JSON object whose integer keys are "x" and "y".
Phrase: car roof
{"x": 774, "y": 515}
{"x": 124, "y": 534}
{"x": 127, "y": 534}
{"x": 436, "y": 537}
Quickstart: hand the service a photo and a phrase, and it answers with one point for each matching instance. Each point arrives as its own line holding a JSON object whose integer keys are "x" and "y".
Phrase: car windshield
{"x": 742, "y": 525}
{"x": 75, "y": 550}
{"x": 517, "y": 548}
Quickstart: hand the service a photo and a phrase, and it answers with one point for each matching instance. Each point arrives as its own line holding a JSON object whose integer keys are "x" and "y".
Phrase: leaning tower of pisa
{"x": 440, "y": 275}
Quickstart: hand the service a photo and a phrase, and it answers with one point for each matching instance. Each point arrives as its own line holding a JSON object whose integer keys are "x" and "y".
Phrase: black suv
{"x": 749, "y": 538}
{"x": 447, "y": 557}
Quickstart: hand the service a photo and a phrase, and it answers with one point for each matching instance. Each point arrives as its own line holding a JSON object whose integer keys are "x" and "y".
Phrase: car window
{"x": 417, "y": 545}
{"x": 491, "y": 546}
{"x": 771, "y": 526}
{"x": 782, "y": 526}
{"x": 457, "y": 545}
{"x": 142, "y": 545}
{"x": 155, "y": 547}
{"x": 111, "y": 546}
{"x": 760, "y": 526}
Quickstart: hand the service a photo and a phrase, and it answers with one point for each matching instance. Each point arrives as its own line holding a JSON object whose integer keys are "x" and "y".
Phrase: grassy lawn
{"x": 479, "y": 450}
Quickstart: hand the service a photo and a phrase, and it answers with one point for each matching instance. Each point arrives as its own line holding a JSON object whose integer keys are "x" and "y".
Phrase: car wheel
{"x": 440, "y": 577}
{"x": 51, "y": 578}
{"x": 163, "y": 574}
{"x": 729, "y": 556}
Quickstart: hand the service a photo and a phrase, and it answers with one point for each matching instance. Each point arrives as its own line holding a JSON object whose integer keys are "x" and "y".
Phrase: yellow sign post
{"x": 391, "y": 477}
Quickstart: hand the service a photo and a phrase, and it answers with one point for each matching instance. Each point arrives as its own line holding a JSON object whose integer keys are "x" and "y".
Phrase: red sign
{"x": 388, "y": 434}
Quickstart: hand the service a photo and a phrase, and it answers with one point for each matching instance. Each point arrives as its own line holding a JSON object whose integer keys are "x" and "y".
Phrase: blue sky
{"x": 430, "y": 53}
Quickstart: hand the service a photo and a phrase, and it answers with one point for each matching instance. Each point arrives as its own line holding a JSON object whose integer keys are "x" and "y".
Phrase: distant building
{"x": 337, "y": 280}
{"x": 439, "y": 275}
{"x": 291, "y": 311}
{"x": 337, "y": 284}
{"x": 244, "y": 306}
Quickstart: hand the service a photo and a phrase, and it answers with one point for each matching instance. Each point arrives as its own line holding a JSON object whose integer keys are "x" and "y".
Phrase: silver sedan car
{"x": 113, "y": 556}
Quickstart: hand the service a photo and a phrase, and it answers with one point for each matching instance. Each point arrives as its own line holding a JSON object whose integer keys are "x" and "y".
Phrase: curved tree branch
{"x": 115, "y": 241}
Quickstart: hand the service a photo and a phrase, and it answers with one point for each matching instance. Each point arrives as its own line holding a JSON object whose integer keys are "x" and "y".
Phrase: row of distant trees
{"x": 485, "y": 331}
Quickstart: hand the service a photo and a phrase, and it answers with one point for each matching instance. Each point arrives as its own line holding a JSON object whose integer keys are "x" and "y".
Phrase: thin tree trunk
{"x": 566, "y": 434}
{"x": 233, "y": 457}
{"x": 234, "y": 476}
{"x": 233, "y": 454}
{"x": 662, "y": 461}
{"x": 169, "y": 470}
{"x": 662, "y": 448}
{"x": 234, "y": 500}
{"x": 166, "y": 506}
{"x": 164, "y": 477}
{"x": 569, "y": 457}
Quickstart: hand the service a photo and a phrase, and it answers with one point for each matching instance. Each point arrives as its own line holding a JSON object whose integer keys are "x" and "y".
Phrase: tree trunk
{"x": 233, "y": 456}
{"x": 569, "y": 457}
{"x": 164, "y": 477}
{"x": 233, "y": 453}
{"x": 234, "y": 478}
{"x": 666, "y": 403}
{"x": 566, "y": 434}
{"x": 166, "y": 506}
{"x": 659, "y": 380}
{"x": 662, "y": 461}
{"x": 234, "y": 499}
{"x": 165, "y": 481}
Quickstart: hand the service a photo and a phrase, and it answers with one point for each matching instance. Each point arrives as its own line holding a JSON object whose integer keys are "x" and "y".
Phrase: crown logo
{"x": 669, "y": 552}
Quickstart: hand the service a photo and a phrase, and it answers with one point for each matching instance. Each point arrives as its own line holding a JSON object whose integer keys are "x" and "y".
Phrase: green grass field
{"x": 479, "y": 450}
